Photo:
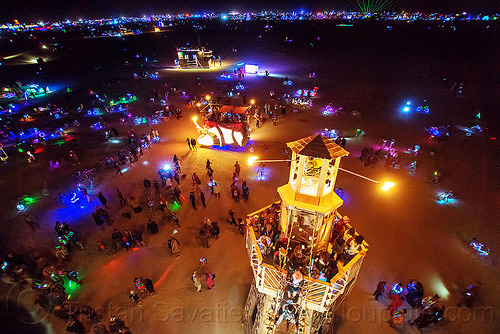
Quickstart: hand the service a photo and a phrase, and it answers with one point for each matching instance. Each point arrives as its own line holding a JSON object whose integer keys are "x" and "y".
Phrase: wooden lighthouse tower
{"x": 289, "y": 293}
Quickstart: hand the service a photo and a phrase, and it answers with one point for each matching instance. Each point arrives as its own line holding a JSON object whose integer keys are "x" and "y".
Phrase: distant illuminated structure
{"x": 189, "y": 57}
{"x": 307, "y": 214}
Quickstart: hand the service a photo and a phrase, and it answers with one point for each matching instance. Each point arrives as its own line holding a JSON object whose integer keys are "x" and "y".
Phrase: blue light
{"x": 406, "y": 109}
{"x": 145, "y": 163}
{"x": 408, "y": 103}
{"x": 166, "y": 167}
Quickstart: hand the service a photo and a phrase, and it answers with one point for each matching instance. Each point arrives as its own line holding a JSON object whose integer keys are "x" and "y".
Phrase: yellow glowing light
{"x": 252, "y": 160}
{"x": 387, "y": 186}
{"x": 208, "y": 97}
{"x": 195, "y": 118}
{"x": 252, "y": 101}
{"x": 198, "y": 104}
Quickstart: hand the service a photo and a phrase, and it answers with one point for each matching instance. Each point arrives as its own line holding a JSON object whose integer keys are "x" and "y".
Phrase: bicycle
{"x": 359, "y": 134}
{"x": 84, "y": 175}
{"x": 444, "y": 197}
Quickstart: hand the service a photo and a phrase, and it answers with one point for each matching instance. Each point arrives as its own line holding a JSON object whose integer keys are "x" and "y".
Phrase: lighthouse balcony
{"x": 320, "y": 294}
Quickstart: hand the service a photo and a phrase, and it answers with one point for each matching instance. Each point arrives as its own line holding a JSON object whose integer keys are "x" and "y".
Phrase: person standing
{"x": 121, "y": 197}
{"x": 244, "y": 189}
{"x": 380, "y": 289}
{"x": 152, "y": 227}
{"x": 210, "y": 280}
{"x": 236, "y": 194}
{"x": 174, "y": 245}
{"x": 397, "y": 320}
{"x": 215, "y": 230}
{"x": 193, "y": 144}
{"x": 197, "y": 281}
{"x": 202, "y": 197}
{"x": 177, "y": 194}
{"x": 192, "y": 199}
{"x": 204, "y": 235}
{"x": 208, "y": 165}
{"x": 396, "y": 302}
{"x": 103, "y": 199}
{"x": 237, "y": 168}
{"x": 157, "y": 187}
{"x": 189, "y": 144}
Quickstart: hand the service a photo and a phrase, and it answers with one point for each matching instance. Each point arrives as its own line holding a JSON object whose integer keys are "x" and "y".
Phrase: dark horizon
{"x": 54, "y": 10}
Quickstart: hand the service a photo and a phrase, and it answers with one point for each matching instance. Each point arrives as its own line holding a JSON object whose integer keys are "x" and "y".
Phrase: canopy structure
{"x": 317, "y": 146}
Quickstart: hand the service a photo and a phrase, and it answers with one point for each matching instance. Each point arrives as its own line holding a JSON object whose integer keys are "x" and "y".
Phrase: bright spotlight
{"x": 406, "y": 109}
{"x": 252, "y": 101}
{"x": 166, "y": 167}
{"x": 208, "y": 97}
{"x": 195, "y": 118}
{"x": 252, "y": 160}
{"x": 387, "y": 185}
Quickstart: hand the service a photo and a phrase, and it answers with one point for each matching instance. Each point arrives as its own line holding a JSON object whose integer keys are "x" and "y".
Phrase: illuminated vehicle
{"x": 226, "y": 125}
{"x": 194, "y": 57}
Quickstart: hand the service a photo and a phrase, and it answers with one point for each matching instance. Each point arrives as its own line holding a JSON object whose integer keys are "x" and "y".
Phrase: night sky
{"x": 36, "y": 10}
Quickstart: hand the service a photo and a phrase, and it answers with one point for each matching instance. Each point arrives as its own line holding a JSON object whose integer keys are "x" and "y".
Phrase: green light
{"x": 175, "y": 206}
{"x": 20, "y": 150}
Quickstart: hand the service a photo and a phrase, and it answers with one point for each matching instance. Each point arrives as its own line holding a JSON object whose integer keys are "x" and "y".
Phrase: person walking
{"x": 103, "y": 199}
{"x": 193, "y": 144}
{"x": 233, "y": 221}
{"x": 237, "y": 168}
{"x": 216, "y": 188}
{"x": 202, "y": 197}
{"x": 117, "y": 168}
{"x": 122, "y": 199}
{"x": 189, "y": 143}
{"x": 192, "y": 199}
{"x": 380, "y": 289}
{"x": 208, "y": 165}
